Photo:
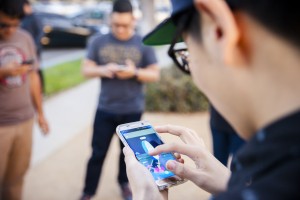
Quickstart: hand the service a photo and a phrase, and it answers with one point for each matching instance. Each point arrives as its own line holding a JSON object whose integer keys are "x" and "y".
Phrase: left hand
{"x": 43, "y": 124}
{"x": 141, "y": 181}
{"x": 128, "y": 71}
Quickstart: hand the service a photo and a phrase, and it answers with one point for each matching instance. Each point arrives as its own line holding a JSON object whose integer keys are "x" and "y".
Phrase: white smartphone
{"x": 121, "y": 67}
{"x": 141, "y": 138}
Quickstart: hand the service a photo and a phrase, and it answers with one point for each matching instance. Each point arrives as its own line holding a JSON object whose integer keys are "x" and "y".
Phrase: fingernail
{"x": 171, "y": 165}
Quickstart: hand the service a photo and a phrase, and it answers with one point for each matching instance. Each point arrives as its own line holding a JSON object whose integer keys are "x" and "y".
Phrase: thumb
{"x": 129, "y": 155}
{"x": 181, "y": 170}
{"x": 128, "y": 152}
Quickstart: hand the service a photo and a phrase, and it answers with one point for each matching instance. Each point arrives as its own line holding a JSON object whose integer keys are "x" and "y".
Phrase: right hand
{"x": 14, "y": 69}
{"x": 128, "y": 71}
{"x": 209, "y": 174}
{"x": 109, "y": 70}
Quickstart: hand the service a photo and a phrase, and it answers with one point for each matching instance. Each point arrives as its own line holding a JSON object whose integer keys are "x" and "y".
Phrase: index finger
{"x": 194, "y": 152}
{"x": 186, "y": 135}
{"x": 172, "y": 129}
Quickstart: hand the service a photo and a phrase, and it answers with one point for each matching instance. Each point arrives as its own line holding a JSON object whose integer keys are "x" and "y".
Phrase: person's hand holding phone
{"x": 27, "y": 65}
{"x": 141, "y": 181}
{"x": 109, "y": 70}
{"x": 126, "y": 71}
{"x": 209, "y": 174}
{"x": 15, "y": 69}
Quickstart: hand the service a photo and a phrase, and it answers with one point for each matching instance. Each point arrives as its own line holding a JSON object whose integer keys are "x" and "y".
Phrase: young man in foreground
{"x": 244, "y": 55}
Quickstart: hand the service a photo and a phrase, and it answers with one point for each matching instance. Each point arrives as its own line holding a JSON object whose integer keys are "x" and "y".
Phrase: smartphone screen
{"x": 143, "y": 139}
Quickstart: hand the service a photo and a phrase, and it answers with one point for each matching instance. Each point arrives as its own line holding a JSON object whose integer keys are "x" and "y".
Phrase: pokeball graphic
{"x": 148, "y": 147}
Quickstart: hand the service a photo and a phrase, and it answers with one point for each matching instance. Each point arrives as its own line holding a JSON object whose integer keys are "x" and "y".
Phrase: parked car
{"x": 59, "y": 31}
{"x": 94, "y": 19}
{"x": 73, "y": 30}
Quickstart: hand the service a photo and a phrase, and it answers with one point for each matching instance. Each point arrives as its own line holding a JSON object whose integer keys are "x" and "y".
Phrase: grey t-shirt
{"x": 15, "y": 98}
{"x": 120, "y": 96}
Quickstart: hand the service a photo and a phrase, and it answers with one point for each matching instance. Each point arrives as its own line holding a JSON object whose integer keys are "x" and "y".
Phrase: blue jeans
{"x": 225, "y": 143}
{"x": 104, "y": 128}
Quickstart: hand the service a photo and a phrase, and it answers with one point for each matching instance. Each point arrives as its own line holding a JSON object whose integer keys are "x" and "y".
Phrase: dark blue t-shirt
{"x": 120, "y": 96}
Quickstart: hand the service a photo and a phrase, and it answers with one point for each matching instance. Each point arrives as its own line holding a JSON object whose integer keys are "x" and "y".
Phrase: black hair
{"x": 280, "y": 17}
{"x": 12, "y": 8}
{"x": 189, "y": 20}
{"x": 193, "y": 26}
{"x": 122, "y": 6}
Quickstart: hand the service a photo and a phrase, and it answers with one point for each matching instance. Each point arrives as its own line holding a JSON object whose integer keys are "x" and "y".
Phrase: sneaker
{"x": 85, "y": 197}
{"x": 126, "y": 191}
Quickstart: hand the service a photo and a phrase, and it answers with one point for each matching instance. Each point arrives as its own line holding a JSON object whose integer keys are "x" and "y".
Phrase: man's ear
{"x": 223, "y": 31}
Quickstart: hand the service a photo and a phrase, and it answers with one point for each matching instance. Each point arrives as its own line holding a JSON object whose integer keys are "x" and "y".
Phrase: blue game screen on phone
{"x": 143, "y": 139}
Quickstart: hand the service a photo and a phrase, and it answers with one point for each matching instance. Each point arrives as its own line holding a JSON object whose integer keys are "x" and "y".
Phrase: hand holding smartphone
{"x": 141, "y": 138}
{"x": 122, "y": 67}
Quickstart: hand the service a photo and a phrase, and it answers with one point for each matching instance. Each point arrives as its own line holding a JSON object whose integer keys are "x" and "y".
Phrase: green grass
{"x": 62, "y": 77}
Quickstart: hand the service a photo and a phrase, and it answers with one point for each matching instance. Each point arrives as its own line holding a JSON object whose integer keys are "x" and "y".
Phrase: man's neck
{"x": 125, "y": 39}
{"x": 275, "y": 89}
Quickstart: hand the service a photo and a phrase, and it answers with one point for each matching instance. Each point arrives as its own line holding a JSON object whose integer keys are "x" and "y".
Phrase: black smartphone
{"x": 28, "y": 62}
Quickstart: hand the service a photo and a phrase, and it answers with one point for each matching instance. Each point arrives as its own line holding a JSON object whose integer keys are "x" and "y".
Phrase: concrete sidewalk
{"x": 68, "y": 114}
{"x": 59, "y": 160}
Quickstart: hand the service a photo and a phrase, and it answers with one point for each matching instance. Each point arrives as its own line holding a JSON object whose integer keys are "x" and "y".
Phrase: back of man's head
{"x": 12, "y": 8}
{"x": 280, "y": 17}
{"x": 122, "y": 6}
